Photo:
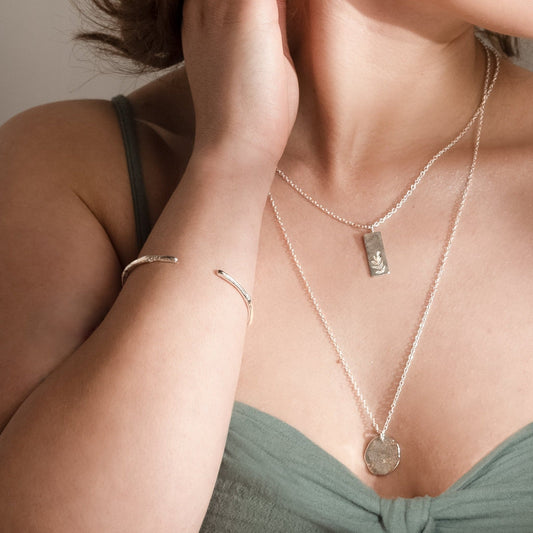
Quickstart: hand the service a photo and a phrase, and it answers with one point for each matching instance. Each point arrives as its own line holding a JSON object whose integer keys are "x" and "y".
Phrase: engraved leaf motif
{"x": 377, "y": 264}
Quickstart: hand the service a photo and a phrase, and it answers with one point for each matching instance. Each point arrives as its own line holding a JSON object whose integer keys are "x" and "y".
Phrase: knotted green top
{"x": 273, "y": 478}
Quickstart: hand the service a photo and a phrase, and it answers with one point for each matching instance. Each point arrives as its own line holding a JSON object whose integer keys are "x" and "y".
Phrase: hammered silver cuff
{"x": 146, "y": 259}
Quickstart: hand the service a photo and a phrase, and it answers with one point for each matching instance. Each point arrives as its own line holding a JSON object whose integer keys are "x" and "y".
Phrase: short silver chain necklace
{"x": 382, "y": 453}
{"x": 373, "y": 241}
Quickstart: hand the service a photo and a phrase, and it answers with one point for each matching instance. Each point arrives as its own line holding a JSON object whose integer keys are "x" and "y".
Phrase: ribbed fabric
{"x": 274, "y": 479}
{"x": 129, "y": 136}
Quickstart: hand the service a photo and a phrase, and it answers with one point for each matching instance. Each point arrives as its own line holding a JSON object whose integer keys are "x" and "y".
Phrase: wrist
{"x": 224, "y": 174}
{"x": 236, "y": 154}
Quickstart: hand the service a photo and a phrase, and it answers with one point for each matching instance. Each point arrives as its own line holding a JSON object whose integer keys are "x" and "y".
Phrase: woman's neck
{"x": 377, "y": 87}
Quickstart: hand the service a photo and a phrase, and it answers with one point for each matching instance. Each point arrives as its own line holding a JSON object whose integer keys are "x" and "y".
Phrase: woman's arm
{"x": 127, "y": 433}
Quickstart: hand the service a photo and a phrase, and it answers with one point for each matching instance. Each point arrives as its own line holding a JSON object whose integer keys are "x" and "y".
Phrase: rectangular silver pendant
{"x": 375, "y": 254}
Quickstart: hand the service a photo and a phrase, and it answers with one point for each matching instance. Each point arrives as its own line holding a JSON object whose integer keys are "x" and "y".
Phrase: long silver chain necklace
{"x": 373, "y": 241}
{"x": 382, "y": 453}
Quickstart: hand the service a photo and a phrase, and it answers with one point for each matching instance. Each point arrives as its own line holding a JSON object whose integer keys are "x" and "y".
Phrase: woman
{"x": 116, "y": 402}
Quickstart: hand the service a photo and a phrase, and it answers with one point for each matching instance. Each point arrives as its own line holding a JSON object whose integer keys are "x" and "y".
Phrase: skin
{"x": 361, "y": 132}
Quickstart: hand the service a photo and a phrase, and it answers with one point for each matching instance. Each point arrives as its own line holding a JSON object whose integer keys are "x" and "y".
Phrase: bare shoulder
{"x": 67, "y": 222}
{"x": 67, "y": 145}
{"x": 80, "y": 145}
{"x": 60, "y": 271}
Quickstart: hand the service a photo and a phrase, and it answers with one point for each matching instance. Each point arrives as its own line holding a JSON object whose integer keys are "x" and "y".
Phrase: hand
{"x": 242, "y": 79}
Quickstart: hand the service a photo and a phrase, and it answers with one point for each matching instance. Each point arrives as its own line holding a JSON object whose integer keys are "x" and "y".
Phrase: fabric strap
{"x": 140, "y": 205}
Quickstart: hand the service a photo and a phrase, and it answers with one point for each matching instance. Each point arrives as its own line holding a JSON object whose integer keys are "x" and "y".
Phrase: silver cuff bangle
{"x": 171, "y": 259}
{"x": 242, "y": 291}
{"x": 146, "y": 259}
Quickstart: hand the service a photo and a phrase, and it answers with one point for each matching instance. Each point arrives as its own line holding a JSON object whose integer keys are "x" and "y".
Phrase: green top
{"x": 274, "y": 479}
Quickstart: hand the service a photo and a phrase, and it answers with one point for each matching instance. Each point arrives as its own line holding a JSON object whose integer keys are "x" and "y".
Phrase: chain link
{"x": 373, "y": 225}
{"x": 480, "y": 113}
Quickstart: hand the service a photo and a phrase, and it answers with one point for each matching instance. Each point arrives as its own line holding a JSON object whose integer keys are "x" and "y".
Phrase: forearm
{"x": 127, "y": 435}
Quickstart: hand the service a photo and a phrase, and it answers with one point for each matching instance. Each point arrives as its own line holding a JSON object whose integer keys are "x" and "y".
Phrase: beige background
{"x": 39, "y": 63}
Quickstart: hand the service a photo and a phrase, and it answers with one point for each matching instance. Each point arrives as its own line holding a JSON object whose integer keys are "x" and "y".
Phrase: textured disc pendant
{"x": 382, "y": 456}
{"x": 375, "y": 254}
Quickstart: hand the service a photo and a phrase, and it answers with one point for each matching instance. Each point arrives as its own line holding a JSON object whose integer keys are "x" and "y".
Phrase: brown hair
{"x": 148, "y": 32}
{"x": 145, "y": 32}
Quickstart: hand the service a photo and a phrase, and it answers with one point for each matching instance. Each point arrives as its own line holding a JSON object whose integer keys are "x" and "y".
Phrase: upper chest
{"x": 468, "y": 386}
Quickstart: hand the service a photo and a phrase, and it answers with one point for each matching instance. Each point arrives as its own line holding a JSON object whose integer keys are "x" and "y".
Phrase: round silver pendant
{"x": 382, "y": 456}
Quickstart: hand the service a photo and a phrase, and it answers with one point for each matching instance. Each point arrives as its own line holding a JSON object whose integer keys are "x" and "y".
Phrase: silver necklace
{"x": 382, "y": 453}
{"x": 373, "y": 241}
